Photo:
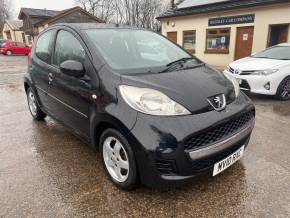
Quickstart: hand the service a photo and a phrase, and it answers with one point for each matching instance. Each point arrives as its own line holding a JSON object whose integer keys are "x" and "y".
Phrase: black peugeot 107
{"x": 158, "y": 115}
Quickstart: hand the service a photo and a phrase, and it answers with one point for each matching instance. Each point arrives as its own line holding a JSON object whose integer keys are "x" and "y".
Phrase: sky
{"x": 41, "y": 4}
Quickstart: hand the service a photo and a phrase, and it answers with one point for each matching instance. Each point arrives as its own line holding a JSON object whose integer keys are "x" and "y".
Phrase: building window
{"x": 189, "y": 40}
{"x": 218, "y": 40}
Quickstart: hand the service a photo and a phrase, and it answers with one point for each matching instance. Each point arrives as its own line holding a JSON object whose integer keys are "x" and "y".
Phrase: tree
{"x": 5, "y": 12}
{"x": 140, "y": 13}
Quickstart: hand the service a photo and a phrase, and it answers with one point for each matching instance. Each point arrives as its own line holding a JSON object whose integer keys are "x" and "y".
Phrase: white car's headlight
{"x": 264, "y": 72}
{"x": 234, "y": 82}
{"x": 150, "y": 101}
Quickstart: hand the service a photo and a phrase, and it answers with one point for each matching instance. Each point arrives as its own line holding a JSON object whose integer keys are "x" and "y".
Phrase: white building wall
{"x": 264, "y": 16}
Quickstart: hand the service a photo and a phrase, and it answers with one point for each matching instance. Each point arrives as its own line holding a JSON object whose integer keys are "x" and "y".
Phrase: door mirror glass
{"x": 72, "y": 68}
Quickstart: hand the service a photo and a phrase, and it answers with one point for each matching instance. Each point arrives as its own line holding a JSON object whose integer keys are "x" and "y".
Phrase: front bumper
{"x": 160, "y": 149}
{"x": 258, "y": 84}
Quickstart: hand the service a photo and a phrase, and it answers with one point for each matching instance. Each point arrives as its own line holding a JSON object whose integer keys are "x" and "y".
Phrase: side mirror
{"x": 72, "y": 68}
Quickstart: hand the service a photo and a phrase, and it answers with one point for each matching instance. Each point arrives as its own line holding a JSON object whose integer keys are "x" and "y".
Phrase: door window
{"x": 67, "y": 47}
{"x": 20, "y": 44}
{"x": 42, "y": 47}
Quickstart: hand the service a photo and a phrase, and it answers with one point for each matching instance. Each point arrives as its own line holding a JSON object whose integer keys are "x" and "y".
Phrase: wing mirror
{"x": 72, "y": 68}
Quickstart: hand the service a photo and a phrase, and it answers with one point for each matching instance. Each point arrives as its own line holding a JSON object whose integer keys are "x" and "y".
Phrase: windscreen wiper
{"x": 173, "y": 64}
{"x": 182, "y": 60}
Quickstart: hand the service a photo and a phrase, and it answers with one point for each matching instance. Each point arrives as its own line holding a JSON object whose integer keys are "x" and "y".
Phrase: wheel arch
{"x": 104, "y": 121}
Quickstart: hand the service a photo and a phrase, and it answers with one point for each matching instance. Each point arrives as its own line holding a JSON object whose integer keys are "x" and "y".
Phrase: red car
{"x": 10, "y": 48}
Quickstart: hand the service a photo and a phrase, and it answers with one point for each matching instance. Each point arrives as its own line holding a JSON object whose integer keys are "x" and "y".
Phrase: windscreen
{"x": 125, "y": 49}
{"x": 278, "y": 52}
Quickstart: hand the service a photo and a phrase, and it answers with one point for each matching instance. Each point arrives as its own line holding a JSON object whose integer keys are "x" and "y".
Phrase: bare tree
{"x": 140, "y": 13}
{"x": 5, "y": 12}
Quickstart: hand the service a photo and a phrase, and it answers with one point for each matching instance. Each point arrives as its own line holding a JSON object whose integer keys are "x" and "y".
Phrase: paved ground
{"x": 47, "y": 172}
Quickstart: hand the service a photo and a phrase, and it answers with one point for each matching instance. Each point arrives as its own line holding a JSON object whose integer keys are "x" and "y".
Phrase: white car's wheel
{"x": 283, "y": 92}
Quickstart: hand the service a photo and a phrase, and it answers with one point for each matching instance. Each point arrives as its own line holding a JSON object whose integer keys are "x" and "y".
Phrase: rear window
{"x": 42, "y": 48}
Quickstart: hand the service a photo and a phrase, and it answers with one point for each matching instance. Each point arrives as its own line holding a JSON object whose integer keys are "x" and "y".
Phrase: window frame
{"x": 191, "y": 51}
{"x": 217, "y": 51}
{"x": 76, "y": 36}
{"x": 49, "y": 47}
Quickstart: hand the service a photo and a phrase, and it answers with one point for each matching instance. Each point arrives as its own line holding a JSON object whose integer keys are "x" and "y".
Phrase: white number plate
{"x": 227, "y": 162}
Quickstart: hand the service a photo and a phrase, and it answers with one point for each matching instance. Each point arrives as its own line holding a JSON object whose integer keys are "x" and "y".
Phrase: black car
{"x": 158, "y": 115}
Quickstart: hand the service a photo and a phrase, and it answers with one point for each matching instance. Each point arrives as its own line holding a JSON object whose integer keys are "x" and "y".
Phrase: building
{"x": 221, "y": 31}
{"x": 36, "y": 20}
{"x": 12, "y": 30}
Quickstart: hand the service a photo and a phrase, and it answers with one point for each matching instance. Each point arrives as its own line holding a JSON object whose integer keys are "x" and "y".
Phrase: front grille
{"x": 166, "y": 167}
{"x": 218, "y": 133}
{"x": 204, "y": 164}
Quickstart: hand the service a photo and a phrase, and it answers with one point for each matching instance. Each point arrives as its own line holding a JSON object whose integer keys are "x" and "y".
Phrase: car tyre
{"x": 9, "y": 53}
{"x": 118, "y": 160}
{"x": 283, "y": 92}
{"x": 34, "y": 109}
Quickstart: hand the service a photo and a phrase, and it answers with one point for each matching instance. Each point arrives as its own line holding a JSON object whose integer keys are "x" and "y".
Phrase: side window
{"x": 20, "y": 44}
{"x": 67, "y": 47}
{"x": 42, "y": 47}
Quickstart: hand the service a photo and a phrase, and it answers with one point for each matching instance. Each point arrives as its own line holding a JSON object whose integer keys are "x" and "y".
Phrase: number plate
{"x": 227, "y": 162}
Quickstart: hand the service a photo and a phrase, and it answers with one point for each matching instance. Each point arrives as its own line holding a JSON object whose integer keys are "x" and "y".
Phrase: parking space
{"x": 45, "y": 171}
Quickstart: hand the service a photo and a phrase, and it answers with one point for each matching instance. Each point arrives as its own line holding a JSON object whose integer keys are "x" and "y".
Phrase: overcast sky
{"x": 48, "y": 4}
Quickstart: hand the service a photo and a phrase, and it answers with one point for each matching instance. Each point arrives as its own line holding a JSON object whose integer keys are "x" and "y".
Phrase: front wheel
{"x": 283, "y": 92}
{"x": 118, "y": 159}
{"x": 9, "y": 53}
{"x": 34, "y": 109}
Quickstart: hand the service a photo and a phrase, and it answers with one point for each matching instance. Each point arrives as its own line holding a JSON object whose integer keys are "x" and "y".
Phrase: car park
{"x": 267, "y": 72}
{"x": 17, "y": 48}
{"x": 156, "y": 122}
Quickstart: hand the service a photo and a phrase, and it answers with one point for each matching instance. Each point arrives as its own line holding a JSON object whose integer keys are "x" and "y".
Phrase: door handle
{"x": 50, "y": 78}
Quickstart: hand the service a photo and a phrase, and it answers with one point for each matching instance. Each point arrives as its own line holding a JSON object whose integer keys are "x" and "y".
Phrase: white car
{"x": 267, "y": 72}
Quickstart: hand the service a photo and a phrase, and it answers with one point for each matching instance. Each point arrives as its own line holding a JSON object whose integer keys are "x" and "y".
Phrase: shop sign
{"x": 219, "y": 21}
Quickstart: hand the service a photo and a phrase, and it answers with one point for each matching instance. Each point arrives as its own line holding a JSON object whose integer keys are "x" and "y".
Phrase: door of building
{"x": 278, "y": 34}
{"x": 172, "y": 36}
{"x": 244, "y": 42}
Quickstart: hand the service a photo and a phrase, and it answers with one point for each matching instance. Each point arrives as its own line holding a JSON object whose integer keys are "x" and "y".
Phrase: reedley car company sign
{"x": 247, "y": 18}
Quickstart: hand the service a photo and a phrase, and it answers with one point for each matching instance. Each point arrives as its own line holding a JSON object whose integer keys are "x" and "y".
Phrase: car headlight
{"x": 150, "y": 101}
{"x": 234, "y": 82}
{"x": 264, "y": 72}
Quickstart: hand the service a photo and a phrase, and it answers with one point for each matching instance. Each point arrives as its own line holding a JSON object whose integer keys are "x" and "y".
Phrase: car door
{"x": 14, "y": 48}
{"x": 39, "y": 66}
{"x": 69, "y": 96}
{"x": 21, "y": 48}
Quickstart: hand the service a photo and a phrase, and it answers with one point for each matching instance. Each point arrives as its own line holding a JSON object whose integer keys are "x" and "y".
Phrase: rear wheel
{"x": 118, "y": 159}
{"x": 9, "y": 53}
{"x": 283, "y": 92}
{"x": 34, "y": 109}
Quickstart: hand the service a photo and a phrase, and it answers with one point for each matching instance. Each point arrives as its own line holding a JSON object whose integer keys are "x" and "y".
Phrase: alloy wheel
{"x": 116, "y": 159}
{"x": 32, "y": 104}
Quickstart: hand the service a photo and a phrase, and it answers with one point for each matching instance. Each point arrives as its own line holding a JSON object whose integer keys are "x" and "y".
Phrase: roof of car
{"x": 85, "y": 26}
